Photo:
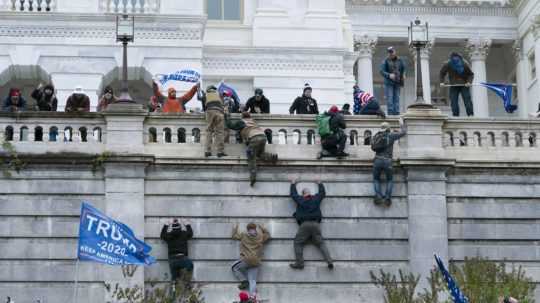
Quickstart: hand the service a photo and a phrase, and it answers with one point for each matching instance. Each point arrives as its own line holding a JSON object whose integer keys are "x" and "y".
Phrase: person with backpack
{"x": 383, "y": 145}
{"x": 366, "y": 104}
{"x": 252, "y": 243}
{"x": 333, "y": 139}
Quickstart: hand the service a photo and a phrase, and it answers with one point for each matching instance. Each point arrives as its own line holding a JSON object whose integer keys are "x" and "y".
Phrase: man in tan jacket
{"x": 251, "y": 252}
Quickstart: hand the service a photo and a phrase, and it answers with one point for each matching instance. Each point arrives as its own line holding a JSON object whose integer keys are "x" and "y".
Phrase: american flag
{"x": 457, "y": 295}
{"x": 361, "y": 99}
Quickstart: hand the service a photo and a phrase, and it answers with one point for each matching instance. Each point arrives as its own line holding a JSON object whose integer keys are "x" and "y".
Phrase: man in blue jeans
{"x": 460, "y": 77}
{"x": 393, "y": 71}
{"x": 383, "y": 160}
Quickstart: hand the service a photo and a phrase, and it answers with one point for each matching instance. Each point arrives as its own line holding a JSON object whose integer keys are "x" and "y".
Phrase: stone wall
{"x": 455, "y": 194}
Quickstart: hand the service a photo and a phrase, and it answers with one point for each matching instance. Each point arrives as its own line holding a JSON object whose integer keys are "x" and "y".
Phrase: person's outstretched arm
{"x": 322, "y": 191}
{"x": 189, "y": 231}
{"x": 236, "y": 235}
{"x": 163, "y": 234}
{"x": 294, "y": 193}
{"x": 266, "y": 233}
{"x": 187, "y": 96}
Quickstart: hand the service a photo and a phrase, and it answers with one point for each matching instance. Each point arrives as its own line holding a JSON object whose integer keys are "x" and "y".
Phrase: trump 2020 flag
{"x": 222, "y": 87}
{"x": 457, "y": 295}
{"x": 104, "y": 240}
{"x": 505, "y": 92}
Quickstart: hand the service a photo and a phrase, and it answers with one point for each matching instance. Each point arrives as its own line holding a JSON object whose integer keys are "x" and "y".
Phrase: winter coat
{"x": 74, "y": 102}
{"x": 258, "y": 107}
{"x": 388, "y": 151}
{"x": 251, "y": 247}
{"x": 308, "y": 208}
{"x": 392, "y": 66}
{"x": 8, "y": 105}
{"x": 45, "y": 102}
{"x": 453, "y": 76}
{"x": 304, "y": 105}
{"x": 177, "y": 239}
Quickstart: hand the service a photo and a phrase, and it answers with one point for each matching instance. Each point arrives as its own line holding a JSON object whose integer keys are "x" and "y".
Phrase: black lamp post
{"x": 125, "y": 32}
{"x": 419, "y": 38}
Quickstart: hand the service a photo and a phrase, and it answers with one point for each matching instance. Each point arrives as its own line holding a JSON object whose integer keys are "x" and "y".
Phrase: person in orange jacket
{"x": 171, "y": 103}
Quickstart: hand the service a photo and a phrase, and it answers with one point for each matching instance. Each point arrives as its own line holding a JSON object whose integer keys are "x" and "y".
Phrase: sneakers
{"x": 252, "y": 179}
{"x": 387, "y": 202}
{"x": 330, "y": 265}
{"x": 207, "y": 154}
{"x": 296, "y": 266}
{"x": 243, "y": 285}
{"x": 378, "y": 201}
{"x": 222, "y": 154}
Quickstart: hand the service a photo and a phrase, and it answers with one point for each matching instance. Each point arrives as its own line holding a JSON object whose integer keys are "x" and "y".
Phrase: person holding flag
{"x": 172, "y": 103}
{"x": 460, "y": 77}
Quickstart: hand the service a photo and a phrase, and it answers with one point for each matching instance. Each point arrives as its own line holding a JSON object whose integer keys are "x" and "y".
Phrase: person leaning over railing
{"x": 45, "y": 97}
{"x": 365, "y": 103}
{"x": 308, "y": 215}
{"x": 382, "y": 144}
{"x": 14, "y": 102}
{"x": 255, "y": 139}
{"x": 305, "y": 104}
{"x": 106, "y": 99}
{"x": 258, "y": 104}
{"x": 177, "y": 246}
{"x": 78, "y": 101}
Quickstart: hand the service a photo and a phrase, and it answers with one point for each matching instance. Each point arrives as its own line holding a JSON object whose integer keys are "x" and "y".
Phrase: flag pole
{"x": 75, "y": 288}
{"x": 473, "y": 84}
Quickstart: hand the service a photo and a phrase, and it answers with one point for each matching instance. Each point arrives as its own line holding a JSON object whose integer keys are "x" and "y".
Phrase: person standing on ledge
{"x": 177, "y": 244}
{"x": 383, "y": 146}
{"x": 460, "y": 77}
{"x": 255, "y": 140}
{"x": 251, "y": 251}
{"x": 172, "y": 104}
{"x": 393, "y": 71}
{"x": 308, "y": 215}
{"x": 305, "y": 105}
{"x": 215, "y": 129}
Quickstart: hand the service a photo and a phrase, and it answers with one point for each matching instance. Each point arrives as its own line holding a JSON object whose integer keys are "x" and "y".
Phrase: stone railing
{"x": 35, "y": 132}
{"x": 35, "y": 6}
{"x": 178, "y": 137}
{"x": 130, "y": 6}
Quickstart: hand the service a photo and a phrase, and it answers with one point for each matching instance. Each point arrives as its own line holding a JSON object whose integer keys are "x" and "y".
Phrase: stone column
{"x": 348, "y": 73}
{"x": 364, "y": 46}
{"x": 478, "y": 50}
{"x": 425, "y": 55}
{"x": 426, "y": 188}
{"x": 536, "y": 34}
{"x": 524, "y": 108}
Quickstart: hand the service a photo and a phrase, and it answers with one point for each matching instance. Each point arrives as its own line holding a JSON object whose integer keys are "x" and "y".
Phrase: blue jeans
{"x": 380, "y": 165}
{"x": 465, "y": 95}
{"x": 391, "y": 95}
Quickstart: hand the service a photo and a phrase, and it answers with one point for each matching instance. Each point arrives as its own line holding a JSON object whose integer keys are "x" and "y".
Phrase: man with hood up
{"x": 251, "y": 252}
{"x": 460, "y": 77}
{"x": 45, "y": 98}
{"x": 305, "y": 105}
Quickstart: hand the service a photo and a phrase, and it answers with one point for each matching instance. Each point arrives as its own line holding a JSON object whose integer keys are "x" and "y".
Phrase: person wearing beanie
{"x": 255, "y": 139}
{"x": 244, "y": 296}
{"x": 106, "y": 99}
{"x": 45, "y": 98}
{"x": 305, "y": 104}
{"x": 308, "y": 215}
{"x": 214, "y": 107}
{"x": 460, "y": 77}
{"x": 14, "y": 102}
{"x": 333, "y": 139}
{"x": 177, "y": 238}
{"x": 365, "y": 103}
{"x": 251, "y": 251}
{"x": 382, "y": 144}
{"x": 345, "y": 109}
{"x": 393, "y": 71}
{"x": 171, "y": 103}
{"x": 258, "y": 104}
{"x": 78, "y": 101}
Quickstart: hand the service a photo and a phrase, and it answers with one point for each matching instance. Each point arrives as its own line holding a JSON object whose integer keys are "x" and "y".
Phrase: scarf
{"x": 456, "y": 63}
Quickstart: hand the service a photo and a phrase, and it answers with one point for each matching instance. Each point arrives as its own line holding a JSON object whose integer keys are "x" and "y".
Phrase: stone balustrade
{"x": 28, "y": 5}
{"x": 130, "y": 6}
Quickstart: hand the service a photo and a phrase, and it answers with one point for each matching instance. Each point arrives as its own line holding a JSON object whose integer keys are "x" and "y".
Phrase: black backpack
{"x": 379, "y": 142}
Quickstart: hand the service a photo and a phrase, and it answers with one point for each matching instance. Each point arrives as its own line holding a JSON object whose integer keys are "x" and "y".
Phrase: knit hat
{"x": 333, "y": 109}
{"x": 258, "y": 92}
{"x": 385, "y": 126}
{"x": 244, "y": 296}
{"x": 79, "y": 90}
{"x": 251, "y": 225}
{"x": 391, "y": 49}
{"x": 14, "y": 92}
{"x": 306, "y": 87}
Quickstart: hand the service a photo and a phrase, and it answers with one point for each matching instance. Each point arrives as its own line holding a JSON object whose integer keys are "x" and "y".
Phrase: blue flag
{"x": 104, "y": 240}
{"x": 185, "y": 75}
{"x": 222, "y": 87}
{"x": 457, "y": 295}
{"x": 505, "y": 92}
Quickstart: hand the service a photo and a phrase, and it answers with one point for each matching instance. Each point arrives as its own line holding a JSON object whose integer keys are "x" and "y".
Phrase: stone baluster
{"x": 478, "y": 50}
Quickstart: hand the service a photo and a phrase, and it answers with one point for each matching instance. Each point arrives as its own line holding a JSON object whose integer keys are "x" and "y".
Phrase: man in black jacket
{"x": 333, "y": 145}
{"x": 305, "y": 104}
{"x": 45, "y": 98}
{"x": 308, "y": 215}
{"x": 258, "y": 104}
{"x": 177, "y": 243}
